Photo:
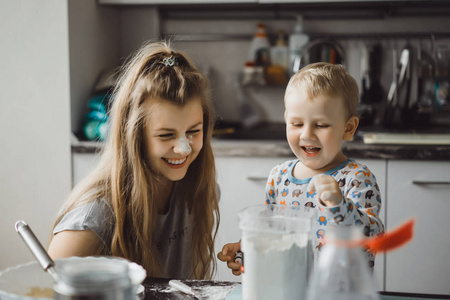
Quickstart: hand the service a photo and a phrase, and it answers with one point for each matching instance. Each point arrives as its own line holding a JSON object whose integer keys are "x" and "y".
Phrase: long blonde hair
{"x": 124, "y": 177}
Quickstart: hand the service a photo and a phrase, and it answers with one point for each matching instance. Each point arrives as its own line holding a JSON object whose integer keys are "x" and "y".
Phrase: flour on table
{"x": 214, "y": 292}
{"x": 161, "y": 289}
{"x": 205, "y": 291}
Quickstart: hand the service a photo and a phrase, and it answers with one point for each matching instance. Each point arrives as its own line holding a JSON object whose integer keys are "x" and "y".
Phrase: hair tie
{"x": 169, "y": 61}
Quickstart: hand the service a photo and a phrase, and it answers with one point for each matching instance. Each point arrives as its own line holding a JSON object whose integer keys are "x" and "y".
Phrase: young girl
{"x": 153, "y": 197}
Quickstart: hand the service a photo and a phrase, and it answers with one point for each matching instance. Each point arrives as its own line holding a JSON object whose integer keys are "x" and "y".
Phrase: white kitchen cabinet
{"x": 378, "y": 168}
{"x": 420, "y": 190}
{"x": 242, "y": 183}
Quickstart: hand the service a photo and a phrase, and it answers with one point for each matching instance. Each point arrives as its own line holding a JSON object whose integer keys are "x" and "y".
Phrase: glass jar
{"x": 342, "y": 271}
{"x": 276, "y": 245}
{"x": 102, "y": 279}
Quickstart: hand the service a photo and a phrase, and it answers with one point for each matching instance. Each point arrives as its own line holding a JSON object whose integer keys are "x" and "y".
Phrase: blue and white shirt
{"x": 360, "y": 205}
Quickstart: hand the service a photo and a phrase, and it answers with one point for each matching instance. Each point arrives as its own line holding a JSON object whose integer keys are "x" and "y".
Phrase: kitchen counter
{"x": 355, "y": 149}
{"x": 159, "y": 289}
{"x": 280, "y": 148}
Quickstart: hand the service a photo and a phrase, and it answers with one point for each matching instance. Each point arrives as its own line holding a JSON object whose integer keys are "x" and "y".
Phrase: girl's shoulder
{"x": 96, "y": 215}
{"x": 90, "y": 215}
{"x": 99, "y": 207}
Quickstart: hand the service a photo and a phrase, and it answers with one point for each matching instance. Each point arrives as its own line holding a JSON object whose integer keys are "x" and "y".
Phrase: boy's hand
{"x": 327, "y": 189}
{"x": 227, "y": 255}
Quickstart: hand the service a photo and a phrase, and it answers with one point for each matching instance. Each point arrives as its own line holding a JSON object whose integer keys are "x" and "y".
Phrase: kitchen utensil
{"x": 365, "y": 69}
{"x": 404, "y": 94}
{"x": 401, "y": 75}
{"x": 392, "y": 95}
{"x": 180, "y": 286}
{"x": 277, "y": 251}
{"x": 442, "y": 102}
{"x": 371, "y": 90}
{"x": 386, "y": 242}
{"x": 36, "y": 248}
{"x": 371, "y": 61}
{"x": 424, "y": 106}
{"x": 391, "y": 240}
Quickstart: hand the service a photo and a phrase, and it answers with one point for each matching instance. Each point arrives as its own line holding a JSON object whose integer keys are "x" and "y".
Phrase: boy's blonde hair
{"x": 326, "y": 79}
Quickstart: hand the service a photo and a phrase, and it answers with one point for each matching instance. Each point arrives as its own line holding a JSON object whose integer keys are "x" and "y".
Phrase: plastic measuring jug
{"x": 276, "y": 245}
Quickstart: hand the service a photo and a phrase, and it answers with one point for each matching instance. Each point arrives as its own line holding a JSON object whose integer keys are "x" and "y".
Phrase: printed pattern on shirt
{"x": 360, "y": 205}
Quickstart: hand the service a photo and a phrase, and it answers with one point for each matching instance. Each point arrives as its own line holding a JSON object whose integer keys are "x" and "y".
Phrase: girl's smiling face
{"x": 315, "y": 130}
{"x": 174, "y": 137}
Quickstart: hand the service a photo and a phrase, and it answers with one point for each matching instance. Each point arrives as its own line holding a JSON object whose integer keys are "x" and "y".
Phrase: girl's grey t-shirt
{"x": 172, "y": 233}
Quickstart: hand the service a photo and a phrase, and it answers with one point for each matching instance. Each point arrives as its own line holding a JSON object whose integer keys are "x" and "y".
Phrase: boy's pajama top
{"x": 360, "y": 205}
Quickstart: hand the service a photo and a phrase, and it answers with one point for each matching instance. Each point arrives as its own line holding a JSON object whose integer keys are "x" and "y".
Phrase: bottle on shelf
{"x": 276, "y": 73}
{"x": 297, "y": 41}
{"x": 259, "y": 51}
{"x": 252, "y": 74}
{"x": 258, "y": 58}
{"x": 279, "y": 53}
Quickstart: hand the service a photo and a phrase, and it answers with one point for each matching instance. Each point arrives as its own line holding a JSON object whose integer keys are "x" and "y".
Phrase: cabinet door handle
{"x": 430, "y": 182}
{"x": 257, "y": 178}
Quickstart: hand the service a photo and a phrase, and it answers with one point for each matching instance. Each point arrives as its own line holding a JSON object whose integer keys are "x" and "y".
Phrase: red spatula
{"x": 391, "y": 240}
{"x": 385, "y": 242}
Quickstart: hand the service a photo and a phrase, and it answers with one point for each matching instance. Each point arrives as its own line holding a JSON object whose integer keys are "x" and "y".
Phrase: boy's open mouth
{"x": 310, "y": 150}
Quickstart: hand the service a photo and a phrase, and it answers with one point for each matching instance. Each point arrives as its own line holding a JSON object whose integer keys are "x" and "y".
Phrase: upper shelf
{"x": 340, "y": 36}
{"x": 289, "y": 9}
{"x": 150, "y": 2}
{"x": 310, "y": 10}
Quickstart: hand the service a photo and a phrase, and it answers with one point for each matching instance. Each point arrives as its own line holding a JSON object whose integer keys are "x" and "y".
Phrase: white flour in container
{"x": 276, "y": 266}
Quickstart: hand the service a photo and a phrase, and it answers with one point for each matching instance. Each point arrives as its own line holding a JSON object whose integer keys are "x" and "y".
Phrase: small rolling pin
{"x": 179, "y": 286}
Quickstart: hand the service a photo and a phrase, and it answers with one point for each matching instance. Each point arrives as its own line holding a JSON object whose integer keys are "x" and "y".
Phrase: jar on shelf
{"x": 253, "y": 74}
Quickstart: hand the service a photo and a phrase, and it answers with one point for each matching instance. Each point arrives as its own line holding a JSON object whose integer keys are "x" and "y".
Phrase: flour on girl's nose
{"x": 183, "y": 144}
